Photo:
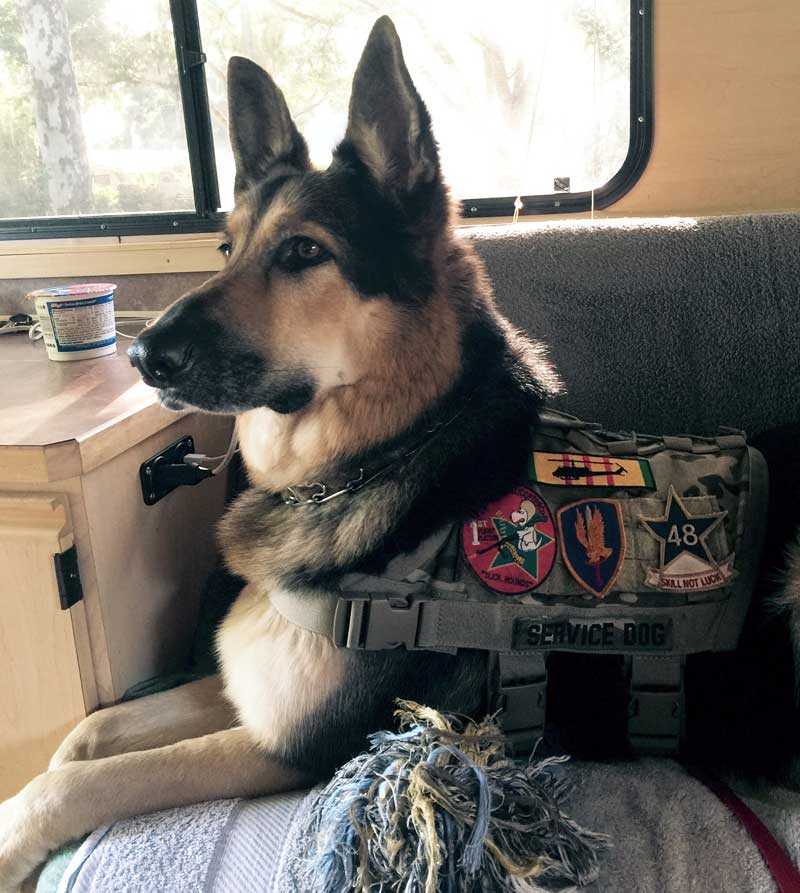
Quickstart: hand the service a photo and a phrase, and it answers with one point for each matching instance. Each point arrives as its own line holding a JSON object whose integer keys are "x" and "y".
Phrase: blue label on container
{"x": 82, "y": 304}
{"x": 65, "y": 348}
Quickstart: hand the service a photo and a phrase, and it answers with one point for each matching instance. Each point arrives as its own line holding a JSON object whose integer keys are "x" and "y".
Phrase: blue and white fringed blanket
{"x": 437, "y": 809}
{"x": 670, "y": 834}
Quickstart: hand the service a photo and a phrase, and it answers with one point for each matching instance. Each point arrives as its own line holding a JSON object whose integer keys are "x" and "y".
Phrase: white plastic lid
{"x": 84, "y": 290}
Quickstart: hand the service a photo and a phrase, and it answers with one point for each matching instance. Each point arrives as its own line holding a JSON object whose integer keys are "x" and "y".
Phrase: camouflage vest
{"x": 615, "y": 544}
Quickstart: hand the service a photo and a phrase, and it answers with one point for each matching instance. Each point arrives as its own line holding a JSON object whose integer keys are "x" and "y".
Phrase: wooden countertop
{"x": 60, "y": 420}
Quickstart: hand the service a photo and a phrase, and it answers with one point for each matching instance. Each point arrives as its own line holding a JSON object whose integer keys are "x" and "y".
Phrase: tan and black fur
{"x": 348, "y": 321}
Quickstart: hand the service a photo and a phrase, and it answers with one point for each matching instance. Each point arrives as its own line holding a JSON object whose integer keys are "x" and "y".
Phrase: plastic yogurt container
{"x": 77, "y": 321}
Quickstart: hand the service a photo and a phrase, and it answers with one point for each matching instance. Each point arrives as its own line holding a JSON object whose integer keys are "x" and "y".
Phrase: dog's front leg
{"x": 76, "y": 798}
{"x": 188, "y": 711}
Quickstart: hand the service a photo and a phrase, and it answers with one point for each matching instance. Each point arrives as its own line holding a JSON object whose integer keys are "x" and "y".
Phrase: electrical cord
{"x": 195, "y": 459}
{"x": 148, "y": 321}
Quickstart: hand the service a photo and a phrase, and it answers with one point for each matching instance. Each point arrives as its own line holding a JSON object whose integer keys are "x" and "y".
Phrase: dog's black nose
{"x": 159, "y": 362}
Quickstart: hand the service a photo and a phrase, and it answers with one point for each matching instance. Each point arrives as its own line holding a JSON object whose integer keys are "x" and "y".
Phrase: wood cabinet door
{"x": 40, "y": 688}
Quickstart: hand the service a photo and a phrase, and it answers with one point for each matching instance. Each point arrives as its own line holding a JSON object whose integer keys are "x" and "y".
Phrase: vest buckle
{"x": 375, "y": 623}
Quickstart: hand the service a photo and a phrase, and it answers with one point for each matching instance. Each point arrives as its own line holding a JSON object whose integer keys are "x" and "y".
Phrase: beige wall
{"x": 727, "y": 140}
{"x": 727, "y": 110}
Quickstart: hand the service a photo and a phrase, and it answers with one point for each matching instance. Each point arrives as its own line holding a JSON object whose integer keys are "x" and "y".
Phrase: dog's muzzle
{"x": 160, "y": 361}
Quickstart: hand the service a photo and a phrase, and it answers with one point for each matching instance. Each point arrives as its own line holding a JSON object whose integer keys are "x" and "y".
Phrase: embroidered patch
{"x": 592, "y": 540}
{"x": 583, "y": 470}
{"x": 686, "y": 563}
{"x": 511, "y": 545}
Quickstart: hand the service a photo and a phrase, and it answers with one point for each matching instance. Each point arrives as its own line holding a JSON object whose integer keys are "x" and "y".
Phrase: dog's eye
{"x": 299, "y": 252}
{"x": 225, "y": 249}
{"x": 308, "y": 250}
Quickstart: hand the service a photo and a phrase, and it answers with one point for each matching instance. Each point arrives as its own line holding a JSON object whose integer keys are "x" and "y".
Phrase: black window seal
{"x": 639, "y": 144}
{"x": 208, "y": 219}
{"x": 196, "y": 113}
{"x": 111, "y": 225}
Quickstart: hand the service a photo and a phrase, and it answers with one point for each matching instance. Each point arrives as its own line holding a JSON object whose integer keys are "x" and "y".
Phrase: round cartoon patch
{"x": 511, "y": 545}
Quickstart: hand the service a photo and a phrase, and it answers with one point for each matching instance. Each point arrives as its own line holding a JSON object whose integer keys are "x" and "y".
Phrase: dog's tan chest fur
{"x": 275, "y": 673}
{"x": 385, "y": 369}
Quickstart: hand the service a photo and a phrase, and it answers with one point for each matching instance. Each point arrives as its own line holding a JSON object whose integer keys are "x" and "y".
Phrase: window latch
{"x": 191, "y": 59}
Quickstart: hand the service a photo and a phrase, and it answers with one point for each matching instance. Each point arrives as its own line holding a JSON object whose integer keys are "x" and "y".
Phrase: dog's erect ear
{"x": 389, "y": 126}
{"x": 261, "y": 128}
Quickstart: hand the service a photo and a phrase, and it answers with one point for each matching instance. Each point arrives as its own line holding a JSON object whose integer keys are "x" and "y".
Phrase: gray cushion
{"x": 661, "y": 325}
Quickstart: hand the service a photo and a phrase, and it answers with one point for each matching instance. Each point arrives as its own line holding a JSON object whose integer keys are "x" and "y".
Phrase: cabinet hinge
{"x": 68, "y": 578}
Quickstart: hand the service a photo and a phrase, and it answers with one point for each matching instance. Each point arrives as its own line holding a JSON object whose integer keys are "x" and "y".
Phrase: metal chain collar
{"x": 321, "y": 490}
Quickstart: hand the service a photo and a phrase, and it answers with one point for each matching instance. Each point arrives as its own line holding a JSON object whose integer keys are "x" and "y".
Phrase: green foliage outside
{"x": 127, "y": 79}
{"x": 23, "y": 183}
{"x": 506, "y": 112}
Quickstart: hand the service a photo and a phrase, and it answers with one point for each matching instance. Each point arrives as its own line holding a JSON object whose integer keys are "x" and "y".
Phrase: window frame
{"x": 206, "y": 218}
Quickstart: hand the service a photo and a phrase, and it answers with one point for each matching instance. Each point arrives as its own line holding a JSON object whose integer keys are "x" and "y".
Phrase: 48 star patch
{"x": 511, "y": 545}
{"x": 686, "y": 563}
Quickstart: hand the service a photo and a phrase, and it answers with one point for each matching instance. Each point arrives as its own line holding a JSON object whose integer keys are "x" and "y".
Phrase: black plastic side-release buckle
{"x": 376, "y": 623}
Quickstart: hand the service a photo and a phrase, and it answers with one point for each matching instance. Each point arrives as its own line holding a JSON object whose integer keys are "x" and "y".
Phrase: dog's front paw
{"x": 23, "y": 840}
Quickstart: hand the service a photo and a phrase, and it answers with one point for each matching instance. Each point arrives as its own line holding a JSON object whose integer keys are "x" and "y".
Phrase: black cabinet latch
{"x": 165, "y": 471}
{"x": 68, "y": 578}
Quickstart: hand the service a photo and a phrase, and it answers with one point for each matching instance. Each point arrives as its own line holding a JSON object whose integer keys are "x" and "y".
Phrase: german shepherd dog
{"x": 349, "y": 329}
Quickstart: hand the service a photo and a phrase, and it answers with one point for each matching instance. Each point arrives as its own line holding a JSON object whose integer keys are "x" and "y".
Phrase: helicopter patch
{"x": 583, "y": 470}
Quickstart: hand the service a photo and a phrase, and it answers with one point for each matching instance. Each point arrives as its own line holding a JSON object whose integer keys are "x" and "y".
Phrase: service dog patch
{"x": 511, "y": 545}
{"x": 582, "y": 470}
{"x": 686, "y": 563}
{"x": 572, "y": 634}
{"x": 592, "y": 539}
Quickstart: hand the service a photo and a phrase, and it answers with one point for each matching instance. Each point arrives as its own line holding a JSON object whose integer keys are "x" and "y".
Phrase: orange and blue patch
{"x": 591, "y": 534}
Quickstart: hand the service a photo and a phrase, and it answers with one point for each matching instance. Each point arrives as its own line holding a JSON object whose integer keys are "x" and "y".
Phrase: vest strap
{"x": 656, "y": 715}
{"x": 656, "y": 710}
{"x": 406, "y": 615}
{"x": 520, "y": 691}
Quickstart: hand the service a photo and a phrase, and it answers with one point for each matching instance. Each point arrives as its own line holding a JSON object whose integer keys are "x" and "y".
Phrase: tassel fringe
{"x": 440, "y": 807}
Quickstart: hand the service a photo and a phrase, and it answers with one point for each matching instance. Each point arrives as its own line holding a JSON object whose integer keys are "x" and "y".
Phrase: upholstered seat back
{"x": 661, "y": 325}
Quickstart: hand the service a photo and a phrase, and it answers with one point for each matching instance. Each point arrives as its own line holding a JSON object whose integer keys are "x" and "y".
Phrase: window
{"x": 113, "y": 117}
{"x": 90, "y": 110}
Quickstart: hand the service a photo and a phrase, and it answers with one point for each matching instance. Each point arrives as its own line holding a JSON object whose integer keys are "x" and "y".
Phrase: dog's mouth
{"x": 206, "y": 397}
{"x": 280, "y": 393}
{"x": 169, "y": 399}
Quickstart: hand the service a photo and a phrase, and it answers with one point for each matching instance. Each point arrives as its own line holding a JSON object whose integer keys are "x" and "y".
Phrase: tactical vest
{"x": 614, "y": 543}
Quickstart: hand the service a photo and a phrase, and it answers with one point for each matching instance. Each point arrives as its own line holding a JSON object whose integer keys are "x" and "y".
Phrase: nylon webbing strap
{"x": 521, "y": 693}
{"x": 405, "y": 616}
{"x": 656, "y": 707}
